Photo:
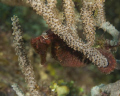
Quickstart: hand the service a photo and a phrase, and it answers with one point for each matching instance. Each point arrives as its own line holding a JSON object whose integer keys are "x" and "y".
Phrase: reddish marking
{"x": 111, "y": 60}
{"x": 66, "y": 55}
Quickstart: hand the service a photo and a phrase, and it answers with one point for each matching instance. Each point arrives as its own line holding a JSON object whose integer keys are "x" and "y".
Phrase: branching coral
{"x": 17, "y": 90}
{"x": 88, "y": 21}
{"x": 112, "y": 89}
{"x": 68, "y": 35}
{"x": 24, "y": 63}
{"x": 105, "y": 25}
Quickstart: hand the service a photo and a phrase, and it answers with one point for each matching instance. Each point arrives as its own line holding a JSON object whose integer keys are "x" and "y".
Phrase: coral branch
{"x": 112, "y": 89}
{"x": 106, "y": 26}
{"x": 69, "y": 12}
{"x": 88, "y": 21}
{"x": 100, "y": 11}
{"x": 24, "y": 63}
{"x": 17, "y": 90}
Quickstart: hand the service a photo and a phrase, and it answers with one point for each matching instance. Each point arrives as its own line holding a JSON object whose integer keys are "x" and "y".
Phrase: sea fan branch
{"x": 105, "y": 25}
{"x": 24, "y": 63}
{"x": 88, "y": 20}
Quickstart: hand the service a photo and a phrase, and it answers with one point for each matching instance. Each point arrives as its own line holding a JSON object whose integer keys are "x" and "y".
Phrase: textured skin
{"x": 111, "y": 62}
{"x": 66, "y": 55}
{"x": 40, "y": 44}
